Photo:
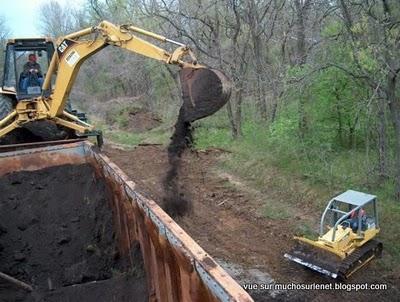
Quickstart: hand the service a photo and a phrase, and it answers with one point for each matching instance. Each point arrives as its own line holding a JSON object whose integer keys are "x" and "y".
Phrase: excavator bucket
{"x": 204, "y": 92}
{"x": 330, "y": 264}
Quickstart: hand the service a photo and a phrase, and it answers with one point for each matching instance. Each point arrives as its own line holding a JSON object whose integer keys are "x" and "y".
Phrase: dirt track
{"x": 227, "y": 223}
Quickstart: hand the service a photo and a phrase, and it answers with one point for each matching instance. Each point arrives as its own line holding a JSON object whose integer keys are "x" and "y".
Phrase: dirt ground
{"x": 141, "y": 120}
{"x": 226, "y": 221}
{"x": 56, "y": 234}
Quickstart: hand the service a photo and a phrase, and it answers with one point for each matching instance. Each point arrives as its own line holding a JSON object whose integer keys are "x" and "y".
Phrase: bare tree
{"x": 4, "y": 30}
{"x": 4, "y": 34}
{"x": 56, "y": 20}
{"x": 238, "y": 66}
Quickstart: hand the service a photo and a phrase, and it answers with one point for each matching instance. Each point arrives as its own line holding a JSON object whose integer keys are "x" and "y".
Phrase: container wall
{"x": 177, "y": 268}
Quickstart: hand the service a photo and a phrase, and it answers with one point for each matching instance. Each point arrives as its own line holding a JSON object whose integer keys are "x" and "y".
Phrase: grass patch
{"x": 159, "y": 135}
{"x": 124, "y": 138}
{"x": 275, "y": 212}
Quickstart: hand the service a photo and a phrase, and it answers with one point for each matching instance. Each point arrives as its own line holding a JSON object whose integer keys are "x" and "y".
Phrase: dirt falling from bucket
{"x": 204, "y": 92}
{"x": 175, "y": 202}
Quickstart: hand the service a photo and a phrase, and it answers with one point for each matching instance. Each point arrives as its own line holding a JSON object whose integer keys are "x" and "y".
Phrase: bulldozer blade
{"x": 312, "y": 266}
{"x": 331, "y": 265}
{"x": 204, "y": 92}
{"x": 314, "y": 258}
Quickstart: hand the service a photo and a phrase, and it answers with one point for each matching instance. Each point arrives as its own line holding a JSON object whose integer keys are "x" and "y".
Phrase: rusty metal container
{"x": 177, "y": 268}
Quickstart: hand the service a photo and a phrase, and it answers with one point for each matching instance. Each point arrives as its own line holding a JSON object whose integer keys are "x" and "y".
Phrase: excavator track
{"x": 331, "y": 265}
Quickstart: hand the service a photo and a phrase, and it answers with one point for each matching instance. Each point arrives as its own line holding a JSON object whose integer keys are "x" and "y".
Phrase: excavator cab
{"x": 21, "y": 83}
{"x": 19, "y": 87}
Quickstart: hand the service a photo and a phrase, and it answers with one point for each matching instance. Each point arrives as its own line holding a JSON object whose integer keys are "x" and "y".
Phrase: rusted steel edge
{"x": 42, "y": 157}
{"x": 74, "y": 145}
{"x": 223, "y": 286}
{"x": 15, "y": 147}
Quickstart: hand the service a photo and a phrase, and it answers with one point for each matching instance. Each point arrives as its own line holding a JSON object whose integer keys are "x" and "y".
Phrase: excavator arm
{"x": 204, "y": 90}
{"x": 72, "y": 52}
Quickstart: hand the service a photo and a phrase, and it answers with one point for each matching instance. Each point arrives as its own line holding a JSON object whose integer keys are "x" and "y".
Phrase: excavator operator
{"x": 32, "y": 74}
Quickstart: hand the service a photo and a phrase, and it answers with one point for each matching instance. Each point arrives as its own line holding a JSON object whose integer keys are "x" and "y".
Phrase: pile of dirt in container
{"x": 56, "y": 234}
{"x": 204, "y": 92}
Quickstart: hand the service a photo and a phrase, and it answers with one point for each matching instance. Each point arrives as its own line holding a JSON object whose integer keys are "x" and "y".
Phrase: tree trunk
{"x": 231, "y": 118}
{"x": 262, "y": 106}
{"x": 394, "y": 106}
{"x": 302, "y": 116}
{"x": 301, "y": 12}
{"x": 397, "y": 146}
{"x": 339, "y": 117}
{"x": 381, "y": 139}
{"x": 238, "y": 112}
{"x": 235, "y": 113}
{"x": 274, "y": 102}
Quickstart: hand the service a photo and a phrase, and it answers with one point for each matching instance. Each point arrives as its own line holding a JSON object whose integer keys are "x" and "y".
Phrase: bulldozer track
{"x": 359, "y": 258}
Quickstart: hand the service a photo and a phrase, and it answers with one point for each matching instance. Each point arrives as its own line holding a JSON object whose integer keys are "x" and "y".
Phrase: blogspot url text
{"x": 316, "y": 286}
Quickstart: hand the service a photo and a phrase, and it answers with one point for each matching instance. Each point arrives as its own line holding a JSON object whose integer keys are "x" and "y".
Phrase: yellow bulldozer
{"x": 34, "y": 100}
{"x": 351, "y": 220}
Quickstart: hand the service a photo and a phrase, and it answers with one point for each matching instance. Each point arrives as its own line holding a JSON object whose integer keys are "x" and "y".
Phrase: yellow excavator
{"x": 36, "y": 101}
